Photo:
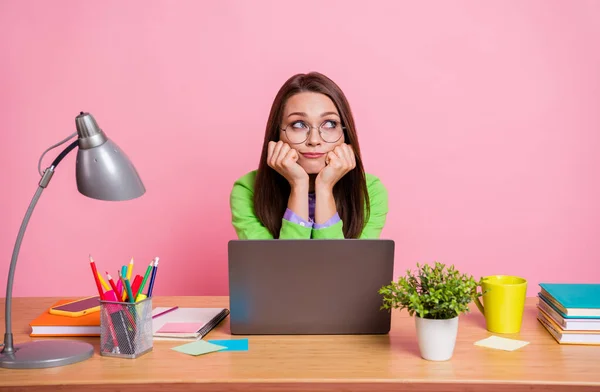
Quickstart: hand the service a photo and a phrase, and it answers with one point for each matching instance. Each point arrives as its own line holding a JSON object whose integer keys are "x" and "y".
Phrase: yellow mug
{"x": 503, "y": 302}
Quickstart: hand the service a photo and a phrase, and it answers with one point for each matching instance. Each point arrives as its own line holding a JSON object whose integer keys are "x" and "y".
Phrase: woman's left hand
{"x": 337, "y": 163}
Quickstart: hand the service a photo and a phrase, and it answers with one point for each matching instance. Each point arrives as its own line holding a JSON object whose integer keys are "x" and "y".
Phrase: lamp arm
{"x": 8, "y": 336}
{"x": 64, "y": 153}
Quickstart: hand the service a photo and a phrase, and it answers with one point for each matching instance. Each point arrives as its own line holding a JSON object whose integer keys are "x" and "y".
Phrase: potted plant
{"x": 436, "y": 296}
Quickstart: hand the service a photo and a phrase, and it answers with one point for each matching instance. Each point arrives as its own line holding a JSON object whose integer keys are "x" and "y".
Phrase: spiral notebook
{"x": 186, "y": 323}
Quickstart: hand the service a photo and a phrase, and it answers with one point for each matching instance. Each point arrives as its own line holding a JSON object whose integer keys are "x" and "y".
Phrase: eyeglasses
{"x": 297, "y": 132}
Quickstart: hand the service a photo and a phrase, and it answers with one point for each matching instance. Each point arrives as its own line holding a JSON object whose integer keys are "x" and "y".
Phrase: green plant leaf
{"x": 436, "y": 292}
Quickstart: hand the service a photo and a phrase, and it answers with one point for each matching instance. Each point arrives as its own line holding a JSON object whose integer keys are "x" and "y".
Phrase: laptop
{"x": 292, "y": 287}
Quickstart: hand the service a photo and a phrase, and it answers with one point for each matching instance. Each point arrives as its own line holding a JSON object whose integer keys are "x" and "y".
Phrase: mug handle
{"x": 479, "y": 304}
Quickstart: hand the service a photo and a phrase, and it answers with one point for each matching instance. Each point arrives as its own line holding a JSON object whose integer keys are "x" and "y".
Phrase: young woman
{"x": 310, "y": 181}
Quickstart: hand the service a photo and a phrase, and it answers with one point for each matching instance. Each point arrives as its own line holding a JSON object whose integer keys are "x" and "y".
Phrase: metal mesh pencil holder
{"x": 125, "y": 328}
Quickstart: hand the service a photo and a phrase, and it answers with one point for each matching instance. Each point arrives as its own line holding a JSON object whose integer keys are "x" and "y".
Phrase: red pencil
{"x": 112, "y": 296}
{"x": 135, "y": 287}
{"x": 95, "y": 272}
{"x": 113, "y": 285}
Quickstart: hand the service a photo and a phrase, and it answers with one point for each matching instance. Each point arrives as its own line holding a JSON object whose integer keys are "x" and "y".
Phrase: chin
{"x": 313, "y": 167}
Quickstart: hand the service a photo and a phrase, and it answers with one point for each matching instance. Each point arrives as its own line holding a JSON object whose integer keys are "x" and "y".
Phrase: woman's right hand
{"x": 284, "y": 160}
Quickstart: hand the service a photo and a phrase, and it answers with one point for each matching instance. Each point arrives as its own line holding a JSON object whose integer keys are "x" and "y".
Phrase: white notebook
{"x": 203, "y": 320}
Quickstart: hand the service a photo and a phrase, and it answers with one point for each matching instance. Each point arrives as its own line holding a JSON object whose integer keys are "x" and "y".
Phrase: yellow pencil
{"x": 103, "y": 282}
{"x": 130, "y": 269}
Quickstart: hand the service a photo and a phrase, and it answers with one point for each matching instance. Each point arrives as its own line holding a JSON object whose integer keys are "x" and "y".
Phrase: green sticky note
{"x": 198, "y": 348}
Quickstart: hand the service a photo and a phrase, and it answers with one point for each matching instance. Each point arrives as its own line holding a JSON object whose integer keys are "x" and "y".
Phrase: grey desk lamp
{"x": 103, "y": 172}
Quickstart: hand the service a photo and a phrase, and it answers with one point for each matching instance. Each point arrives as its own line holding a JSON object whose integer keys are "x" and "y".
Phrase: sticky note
{"x": 198, "y": 348}
{"x": 232, "y": 344}
{"x": 180, "y": 328}
{"x": 501, "y": 343}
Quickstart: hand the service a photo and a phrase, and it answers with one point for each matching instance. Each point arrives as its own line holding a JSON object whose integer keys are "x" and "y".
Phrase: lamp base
{"x": 46, "y": 353}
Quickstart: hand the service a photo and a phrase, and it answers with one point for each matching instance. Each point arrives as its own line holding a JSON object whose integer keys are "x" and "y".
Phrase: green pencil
{"x": 146, "y": 275}
{"x": 127, "y": 287}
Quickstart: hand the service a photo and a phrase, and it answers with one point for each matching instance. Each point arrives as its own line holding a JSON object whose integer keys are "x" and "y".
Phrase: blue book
{"x": 573, "y": 299}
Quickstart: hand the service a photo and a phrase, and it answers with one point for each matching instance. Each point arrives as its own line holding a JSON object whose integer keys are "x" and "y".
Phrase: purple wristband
{"x": 292, "y": 217}
{"x": 332, "y": 221}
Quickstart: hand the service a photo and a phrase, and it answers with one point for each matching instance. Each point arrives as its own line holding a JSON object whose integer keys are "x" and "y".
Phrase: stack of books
{"x": 570, "y": 312}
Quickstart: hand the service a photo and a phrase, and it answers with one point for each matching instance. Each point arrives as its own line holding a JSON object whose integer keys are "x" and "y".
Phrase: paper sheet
{"x": 232, "y": 344}
{"x": 500, "y": 343}
{"x": 198, "y": 348}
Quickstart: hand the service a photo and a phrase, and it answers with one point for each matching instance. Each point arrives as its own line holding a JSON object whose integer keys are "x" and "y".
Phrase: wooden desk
{"x": 319, "y": 363}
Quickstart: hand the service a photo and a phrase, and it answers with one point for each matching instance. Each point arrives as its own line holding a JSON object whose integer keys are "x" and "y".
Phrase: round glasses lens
{"x": 331, "y": 131}
{"x": 297, "y": 132}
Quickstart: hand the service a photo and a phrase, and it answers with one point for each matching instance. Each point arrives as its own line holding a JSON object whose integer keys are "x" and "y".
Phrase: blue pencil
{"x": 152, "y": 278}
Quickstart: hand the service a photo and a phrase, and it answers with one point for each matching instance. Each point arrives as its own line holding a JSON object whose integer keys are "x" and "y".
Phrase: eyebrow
{"x": 305, "y": 115}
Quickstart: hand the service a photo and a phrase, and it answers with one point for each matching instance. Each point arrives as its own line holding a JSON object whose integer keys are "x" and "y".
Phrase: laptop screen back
{"x": 309, "y": 286}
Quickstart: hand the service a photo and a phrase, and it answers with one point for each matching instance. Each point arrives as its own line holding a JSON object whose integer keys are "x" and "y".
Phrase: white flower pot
{"x": 436, "y": 338}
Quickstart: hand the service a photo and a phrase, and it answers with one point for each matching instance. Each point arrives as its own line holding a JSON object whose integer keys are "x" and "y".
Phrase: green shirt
{"x": 248, "y": 226}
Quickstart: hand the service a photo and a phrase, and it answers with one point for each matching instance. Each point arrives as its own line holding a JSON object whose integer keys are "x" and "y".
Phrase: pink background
{"x": 481, "y": 118}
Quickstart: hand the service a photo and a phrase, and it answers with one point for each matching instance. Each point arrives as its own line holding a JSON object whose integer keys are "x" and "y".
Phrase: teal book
{"x": 573, "y": 299}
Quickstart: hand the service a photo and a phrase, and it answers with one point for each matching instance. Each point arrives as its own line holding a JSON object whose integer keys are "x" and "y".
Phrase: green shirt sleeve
{"x": 335, "y": 231}
{"x": 378, "y": 198}
{"x": 246, "y": 223}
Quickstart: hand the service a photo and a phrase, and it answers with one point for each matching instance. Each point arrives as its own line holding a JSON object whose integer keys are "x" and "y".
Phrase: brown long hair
{"x": 272, "y": 190}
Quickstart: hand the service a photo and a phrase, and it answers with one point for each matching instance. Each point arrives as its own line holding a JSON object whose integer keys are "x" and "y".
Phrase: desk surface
{"x": 355, "y": 362}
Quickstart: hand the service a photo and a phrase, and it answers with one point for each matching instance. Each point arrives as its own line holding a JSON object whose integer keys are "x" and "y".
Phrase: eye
{"x": 298, "y": 125}
{"x": 329, "y": 124}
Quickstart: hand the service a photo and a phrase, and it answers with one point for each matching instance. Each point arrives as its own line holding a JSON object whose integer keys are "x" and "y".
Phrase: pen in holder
{"x": 125, "y": 328}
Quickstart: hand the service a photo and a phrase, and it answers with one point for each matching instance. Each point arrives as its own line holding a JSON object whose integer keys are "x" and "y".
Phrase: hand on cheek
{"x": 337, "y": 163}
{"x": 284, "y": 159}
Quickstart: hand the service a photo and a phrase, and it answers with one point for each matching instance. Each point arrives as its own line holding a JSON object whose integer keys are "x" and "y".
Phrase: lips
{"x": 312, "y": 155}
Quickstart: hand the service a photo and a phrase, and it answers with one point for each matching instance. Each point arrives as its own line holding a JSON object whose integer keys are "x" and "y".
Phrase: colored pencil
{"x": 95, "y": 272}
{"x": 165, "y": 312}
{"x": 152, "y": 279}
{"x": 146, "y": 276}
{"x": 130, "y": 269}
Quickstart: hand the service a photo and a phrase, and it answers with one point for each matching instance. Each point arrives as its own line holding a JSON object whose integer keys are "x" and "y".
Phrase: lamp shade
{"x": 103, "y": 170}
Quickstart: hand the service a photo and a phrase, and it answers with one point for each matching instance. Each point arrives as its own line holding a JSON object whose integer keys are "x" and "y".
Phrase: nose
{"x": 314, "y": 139}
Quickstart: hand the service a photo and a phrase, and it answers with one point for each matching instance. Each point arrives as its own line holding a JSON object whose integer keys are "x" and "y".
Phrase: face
{"x": 307, "y": 111}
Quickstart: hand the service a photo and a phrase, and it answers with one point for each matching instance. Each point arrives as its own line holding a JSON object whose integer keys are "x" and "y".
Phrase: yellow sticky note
{"x": 501, "y": 343}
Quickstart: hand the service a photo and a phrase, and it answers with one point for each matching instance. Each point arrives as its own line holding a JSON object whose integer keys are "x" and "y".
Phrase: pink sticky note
{"x": 180, "y": 328}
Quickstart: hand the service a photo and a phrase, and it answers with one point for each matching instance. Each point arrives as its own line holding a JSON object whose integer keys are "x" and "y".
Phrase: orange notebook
{"x": 47, "y": 324}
